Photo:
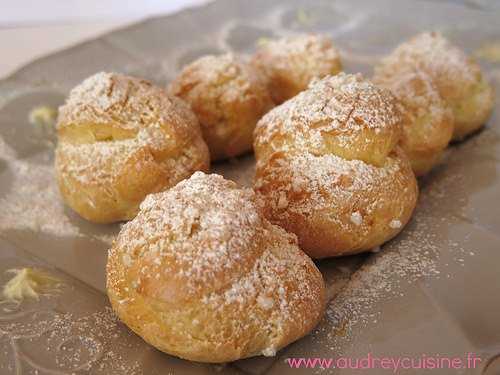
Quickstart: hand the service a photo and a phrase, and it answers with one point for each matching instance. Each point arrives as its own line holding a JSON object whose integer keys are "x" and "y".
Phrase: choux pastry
{"x": 457, "y": 77}
{"x": 427, "y": 118}
{"x": 289, "y": 64}
{"x": 202, "y": 275}
{"x": 343, "y": 114}
{"x": 119, "y": 139}
{"x": 229, "y": 96}
{"x": 329, "y": 168}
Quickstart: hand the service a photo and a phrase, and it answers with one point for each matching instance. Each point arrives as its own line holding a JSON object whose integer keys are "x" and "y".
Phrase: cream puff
{"x": 457, "y": 77}
{"x": 330, "y": 170}
{"x": 202, "y": 275}
{"x": 120, "y": 139}
{"x": 228, "y": 96}
{"x": 428, "y": 121}
{"x": 290, "y": 63}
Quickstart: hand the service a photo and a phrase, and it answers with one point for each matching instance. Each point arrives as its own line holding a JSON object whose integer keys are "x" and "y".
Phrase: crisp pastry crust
{"x": 427, "y": 119}
{"x": 337, "y": 206}
{"x": 229, "y": 96}
{"x": 202, "y": 275}
{"x": 329, "y": 168}
{"x": 343, "y": 114}
{"x": 290, "y": 64}
{"x": 457, "y": 77}
{"x": 119, "y": 139}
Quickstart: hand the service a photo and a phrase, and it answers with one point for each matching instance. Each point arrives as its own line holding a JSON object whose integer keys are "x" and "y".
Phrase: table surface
{"x": 31, "y": 29}
{"x": 430, "y": 290}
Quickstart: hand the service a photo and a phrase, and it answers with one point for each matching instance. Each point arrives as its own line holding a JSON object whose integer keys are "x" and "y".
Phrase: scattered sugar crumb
{"x": 265, "y": 302}
{"x": 269, "y": 352}
{"x": 395, "y": 224}
{"x": 356, "y": 218}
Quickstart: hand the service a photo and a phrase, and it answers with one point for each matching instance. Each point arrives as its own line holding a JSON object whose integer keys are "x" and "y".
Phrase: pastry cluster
{"x": 443, "y": 95}
{"x": 211, "y": 272}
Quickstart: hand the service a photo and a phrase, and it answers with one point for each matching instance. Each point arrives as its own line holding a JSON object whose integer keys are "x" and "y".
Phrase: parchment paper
{"x": 434, "y": 289}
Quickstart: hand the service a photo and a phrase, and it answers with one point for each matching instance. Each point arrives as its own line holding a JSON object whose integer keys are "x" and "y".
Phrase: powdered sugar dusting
{"x": 220, "y": 79}
{"x": 128, "y": 103}
{"x": 328, "y": 180}
{"x": 290, "y": 63}
{"x": 395, "y": 224}
{"x": 413, "y": 257}
{"x": 102, "y": 163}
{"x": 88, "y": 343}
{"x": 208, "y": 237}
{"x": 435, "y": 55}
{"x": 266, "y": 283}
{"x": 112, "y": 122}
{"x": 356, "y": 218}
{"x": 316, "y": 46}
{"x": 428, "y": 120}
{"x": 343, "y": 106}
{"x": 33, "y": 202}
{"x": 417, "y": 92}
{"x": 195, "y": 209}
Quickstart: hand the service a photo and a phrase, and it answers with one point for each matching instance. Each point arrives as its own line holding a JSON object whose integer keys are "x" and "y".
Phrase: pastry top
{"x": 110, "y": 120}
{"x": 203, "y": 249}
{"x": 315, "y": 46}
{"x": 124, "y": 103}
{"x": 203, "y": 231}
{"x": 225, "y": 76}
{"x": 457, "y": 77}
{"x": 228, "y": 96}
{"x": 197, "y": 238}
{"x": 452, "y": 70}
{"x": 344, "y": 115}
{"x": 290, "y": 63}
{"x": 427, "y": 118}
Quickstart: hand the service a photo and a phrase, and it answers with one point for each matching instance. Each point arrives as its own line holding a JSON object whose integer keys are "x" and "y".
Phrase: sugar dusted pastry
{"x": 119, "y": 139}
{"x": 457, "y": 77}
{"x": 329, "y": 168}
{"x": 229, "y": 96}
{"x": 290, "y": 63}
{"x": 343, "y": 115}
{"x": 202, "y": 275}
{"x": 427, "y": 118}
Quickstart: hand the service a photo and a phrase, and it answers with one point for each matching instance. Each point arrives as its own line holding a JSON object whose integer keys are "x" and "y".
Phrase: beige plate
{"x": 434, "y": 290}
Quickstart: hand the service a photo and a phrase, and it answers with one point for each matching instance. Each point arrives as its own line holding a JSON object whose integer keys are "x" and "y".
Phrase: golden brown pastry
{"x": 457, "y": 77}
{"x": 427, "y": 118}
{"x": 119, "y": 139}
{"x": 229, "y": 96}
{"x": 343, "y": 115}
{"x": 329, "y": 168}
{"x": 202, "y": 275}
{"x": 289, "y": 64}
